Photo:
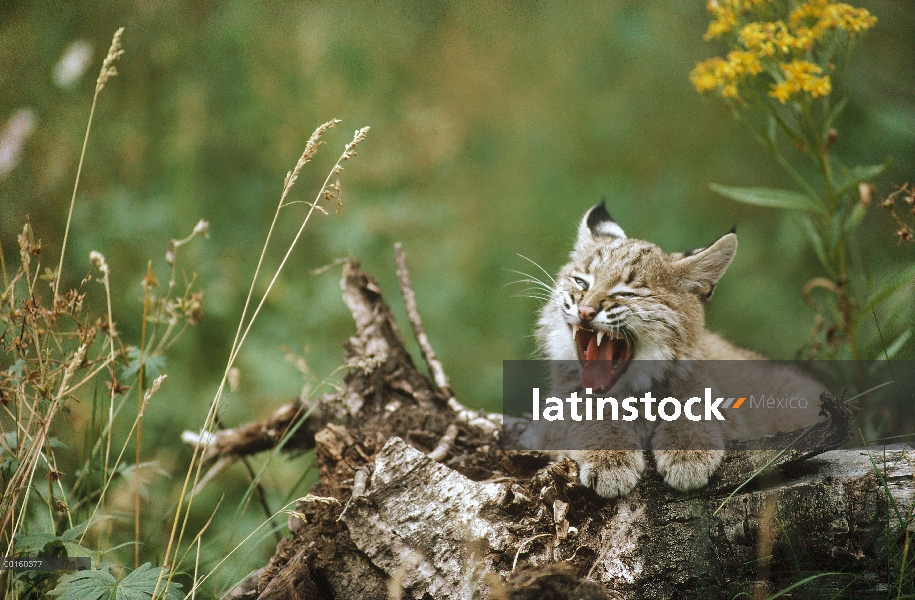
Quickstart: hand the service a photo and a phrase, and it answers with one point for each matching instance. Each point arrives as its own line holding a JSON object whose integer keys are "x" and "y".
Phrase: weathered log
{"x": 428, "y": 505}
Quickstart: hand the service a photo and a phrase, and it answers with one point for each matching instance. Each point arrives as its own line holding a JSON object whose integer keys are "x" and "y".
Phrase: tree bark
{"x": 417, "y": 499}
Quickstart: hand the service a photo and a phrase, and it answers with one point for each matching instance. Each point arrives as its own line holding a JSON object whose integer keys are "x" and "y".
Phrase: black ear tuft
{"x": 598, "y": 214}
{"x": 733, "y": 229}
{"x": 601, "y": 224}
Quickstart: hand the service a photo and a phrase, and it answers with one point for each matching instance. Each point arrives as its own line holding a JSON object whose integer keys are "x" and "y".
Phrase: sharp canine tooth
{"x": 600, "y": 336}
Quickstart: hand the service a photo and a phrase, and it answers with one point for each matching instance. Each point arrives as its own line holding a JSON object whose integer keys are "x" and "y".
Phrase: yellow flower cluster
{"x": 725, "y": 13}
{"x": 808, "y": 21}
{"x": 718, "y": 73}
{"x": 776, "y": 46}
{"x": 773, "y": 37}
{"x": 801, "y": 76}
{"x": 828, "y": 14}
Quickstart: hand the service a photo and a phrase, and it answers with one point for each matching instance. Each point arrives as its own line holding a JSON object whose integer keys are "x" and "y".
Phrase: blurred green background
{"x": 494, "y": 127}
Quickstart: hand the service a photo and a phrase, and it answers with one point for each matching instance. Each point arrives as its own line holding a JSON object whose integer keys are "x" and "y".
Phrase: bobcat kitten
{"x": 619, "y": 300}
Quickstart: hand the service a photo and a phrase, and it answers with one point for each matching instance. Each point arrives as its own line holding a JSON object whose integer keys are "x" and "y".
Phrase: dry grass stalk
{"x": 108, "y": 71}
{"x": 194, "y": 471}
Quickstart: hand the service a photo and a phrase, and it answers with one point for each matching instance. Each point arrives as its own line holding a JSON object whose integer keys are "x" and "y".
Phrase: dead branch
{"x": 432, "y": 507}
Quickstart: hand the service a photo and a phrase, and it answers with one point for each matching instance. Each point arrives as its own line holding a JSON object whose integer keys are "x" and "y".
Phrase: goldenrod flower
{"x": 724, "y": 75}
{"x": 786, "y": 41}
{"x": 744, "y": 63}
{"x": 782, "y": 91}
{"x": 801, "y": 76}
{"x": 705, "y": 76}
{"x": 725, "y": 20}
{"x": 805, "y": 37}
{"x": 828, "y": 14}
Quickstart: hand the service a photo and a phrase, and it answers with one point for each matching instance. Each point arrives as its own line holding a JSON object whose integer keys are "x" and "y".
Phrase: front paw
{"x": 687, "y": 469}
{"x": 610, "y": 473}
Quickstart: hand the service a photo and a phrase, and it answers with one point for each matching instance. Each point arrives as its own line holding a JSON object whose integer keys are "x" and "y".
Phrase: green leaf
{"x": 768, "y": 197}
{"x": 854, "y": 217}
{"x": 101, "y": 585}
{"x": 860, "y": 174}
{"x": 34, "y": 543}
{"x": 817, "y": 243}
{"x": 77, "y": 550}
{"x": 154, "y": 366}
{"x": 889, "y": 287}
{"x": 897, "y": 345}
{"x": 140, "y": 584}
{"x": 86, "y": 585}
{"x": 835, "y": 112}
{"x": 37, "y": 543}
{"x": 772, "y": 131}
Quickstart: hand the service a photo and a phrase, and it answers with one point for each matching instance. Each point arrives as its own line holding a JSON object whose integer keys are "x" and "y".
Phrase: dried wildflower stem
{"x": 196, "y": 464}
{"x": 6, "y": 281}
{"x": 102, "y": 265}
{"x": 156, "y": 384}
{"x": 139, "y": 422}
{"x": 337, "y": 168}
{"x": 15, "y": 489}
{"x": 311, "y": 148}
{"x": 197, "y": 538}
{"x": 108, "y": 71}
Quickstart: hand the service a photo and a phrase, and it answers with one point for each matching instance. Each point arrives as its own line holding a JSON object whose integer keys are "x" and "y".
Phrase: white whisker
{"x": 538, "y": 266}
{"x": 529, "y": 279}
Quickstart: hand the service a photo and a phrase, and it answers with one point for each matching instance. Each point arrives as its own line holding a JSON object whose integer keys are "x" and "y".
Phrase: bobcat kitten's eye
{"x": 581, "y": 283}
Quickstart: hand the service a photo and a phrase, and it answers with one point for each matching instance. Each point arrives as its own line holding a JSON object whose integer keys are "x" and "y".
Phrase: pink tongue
{"x": 597, "y": 372}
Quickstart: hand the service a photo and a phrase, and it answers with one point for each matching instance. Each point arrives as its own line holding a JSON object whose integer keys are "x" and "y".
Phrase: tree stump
{"x": 417, "y": 499}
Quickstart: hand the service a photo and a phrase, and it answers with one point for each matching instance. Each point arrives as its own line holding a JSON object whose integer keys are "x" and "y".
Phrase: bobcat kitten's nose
{"x": 586, "y": 312}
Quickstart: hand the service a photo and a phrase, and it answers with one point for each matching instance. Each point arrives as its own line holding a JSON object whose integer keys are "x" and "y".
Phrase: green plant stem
{"x": 839, "y": 241}
{"x": 6, "y": 281}
{"x": 79, "y": 170}
{"x": 765, "y": 107}
{"x": 845, "y": 299}
{"x": 136, "y": 471}
{"x": 823, "y": 162}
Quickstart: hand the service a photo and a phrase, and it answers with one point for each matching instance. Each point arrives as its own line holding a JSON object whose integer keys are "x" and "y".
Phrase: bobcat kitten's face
{"x": 620, "y": 299}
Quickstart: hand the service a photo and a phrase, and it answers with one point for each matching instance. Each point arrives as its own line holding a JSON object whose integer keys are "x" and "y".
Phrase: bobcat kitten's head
{"x": 620, "y": 299}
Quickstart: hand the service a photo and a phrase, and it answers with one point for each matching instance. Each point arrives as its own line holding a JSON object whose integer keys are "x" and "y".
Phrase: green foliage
{"x": 768, "y": 197}
{"x": 153, "y": 366}
{"x": 890, "y": 286}
{"x": 496, "y": 127}
{"x": 860, "y": 174}
{"x": 778, "y": 80}
{"x": 100, "y": 584}
{"x": 46, "y": 544}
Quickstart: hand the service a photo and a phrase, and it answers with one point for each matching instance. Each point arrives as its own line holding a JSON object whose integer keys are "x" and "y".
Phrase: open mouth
{"x": 604, "y": 356}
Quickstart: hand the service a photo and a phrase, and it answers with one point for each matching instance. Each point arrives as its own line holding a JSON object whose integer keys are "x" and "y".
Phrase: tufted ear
{"x": 701, "y": 269}
{"x": 597, "y": 226}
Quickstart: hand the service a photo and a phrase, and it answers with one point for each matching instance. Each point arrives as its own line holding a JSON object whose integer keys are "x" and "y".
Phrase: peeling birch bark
{"x": 474, "y": 521}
